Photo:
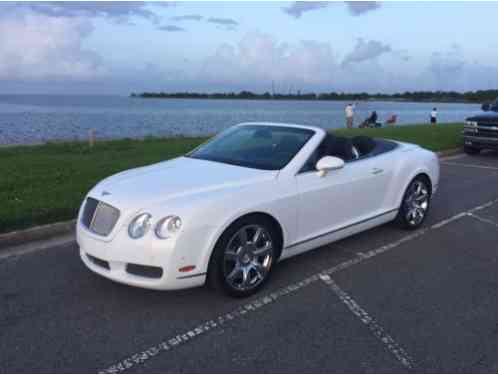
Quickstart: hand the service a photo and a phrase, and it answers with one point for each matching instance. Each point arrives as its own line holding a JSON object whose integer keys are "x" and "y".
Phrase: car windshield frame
{"x": 248, "y": 163}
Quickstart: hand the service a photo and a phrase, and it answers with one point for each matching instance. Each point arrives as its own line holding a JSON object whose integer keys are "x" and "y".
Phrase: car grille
{"x": 488, "y": 123}
{"x": 98, "y": 262}
{"x": 99, "y": 217}
{"x": 144, "y": 271}
{"x": 487, "y": 133}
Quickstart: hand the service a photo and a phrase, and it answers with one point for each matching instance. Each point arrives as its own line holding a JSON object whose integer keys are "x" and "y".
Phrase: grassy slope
{"x": 46, "y": 183}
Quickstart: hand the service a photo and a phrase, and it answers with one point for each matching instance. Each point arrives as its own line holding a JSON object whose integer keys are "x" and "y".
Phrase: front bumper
{"x": 144, "y": 263}
{"x": 480, "y": 142}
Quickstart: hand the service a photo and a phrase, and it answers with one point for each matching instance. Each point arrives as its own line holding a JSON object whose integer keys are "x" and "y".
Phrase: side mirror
{"x": 328, "y": 163}
{"x": 486, "y": 107}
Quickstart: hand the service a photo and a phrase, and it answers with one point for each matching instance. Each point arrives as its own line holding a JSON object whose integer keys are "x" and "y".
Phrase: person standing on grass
{"x": 349, "y": 115}
{"x": 434, "y": 116}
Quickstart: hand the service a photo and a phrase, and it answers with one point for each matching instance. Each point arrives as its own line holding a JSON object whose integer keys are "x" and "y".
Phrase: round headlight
{"x": 168, "y": 226}
{"x": 139, "y": 226}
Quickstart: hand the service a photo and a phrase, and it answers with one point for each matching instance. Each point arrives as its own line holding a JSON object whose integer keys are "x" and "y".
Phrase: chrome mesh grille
{"x": 99, "y": 217}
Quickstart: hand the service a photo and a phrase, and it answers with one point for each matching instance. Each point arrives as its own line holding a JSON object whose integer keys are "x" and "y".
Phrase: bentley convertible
{"x": 257, "y": 193}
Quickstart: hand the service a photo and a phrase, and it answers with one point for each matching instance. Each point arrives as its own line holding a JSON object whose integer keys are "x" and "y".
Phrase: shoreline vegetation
{"x": 480, "y": 96}
{"x": 46, "y": 183}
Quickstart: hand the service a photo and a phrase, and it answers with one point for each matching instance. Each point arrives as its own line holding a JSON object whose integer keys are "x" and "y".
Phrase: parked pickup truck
{"x": 481, "y": 131}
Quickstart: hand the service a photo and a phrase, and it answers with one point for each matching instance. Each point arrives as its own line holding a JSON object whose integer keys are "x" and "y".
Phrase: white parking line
{"x": 182, "y": 338}
{"x": 470, "y": 165}
{"x": 386, "y": 339}
{"x": 484, "y": 220}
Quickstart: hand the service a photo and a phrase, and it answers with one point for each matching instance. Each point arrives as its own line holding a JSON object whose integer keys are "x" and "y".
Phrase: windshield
{"x": 255, "y": 146}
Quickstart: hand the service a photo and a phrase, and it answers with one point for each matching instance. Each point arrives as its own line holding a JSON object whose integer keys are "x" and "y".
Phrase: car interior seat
{"x": 365, "y": 145}
{"x": 340, "y": 147}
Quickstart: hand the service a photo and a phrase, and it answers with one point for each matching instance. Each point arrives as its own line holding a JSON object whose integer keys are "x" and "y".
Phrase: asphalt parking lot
{"x": 385, "y": 300}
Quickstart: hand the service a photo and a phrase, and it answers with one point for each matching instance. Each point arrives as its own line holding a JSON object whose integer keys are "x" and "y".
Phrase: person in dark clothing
{"x": 373, "y": 118}
{"x": 371, "y": 121}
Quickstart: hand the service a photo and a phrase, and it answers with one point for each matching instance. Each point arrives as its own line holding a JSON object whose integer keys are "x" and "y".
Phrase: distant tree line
{"x": 480, "y": 96}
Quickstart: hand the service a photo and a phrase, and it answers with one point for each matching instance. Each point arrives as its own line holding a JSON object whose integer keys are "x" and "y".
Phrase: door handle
{"x": 377, "y": 170}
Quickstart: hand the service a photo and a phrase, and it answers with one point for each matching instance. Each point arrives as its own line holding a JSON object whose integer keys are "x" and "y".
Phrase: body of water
{"x": 27, "y": 119}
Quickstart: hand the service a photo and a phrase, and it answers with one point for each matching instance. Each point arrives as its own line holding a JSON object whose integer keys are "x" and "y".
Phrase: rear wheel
{"x": 415, "y": 204}
{"x": 471, "y": 150}
{"x": 243, "y": 257}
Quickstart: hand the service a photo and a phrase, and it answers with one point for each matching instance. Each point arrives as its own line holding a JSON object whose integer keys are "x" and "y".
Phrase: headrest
{"x": 340, "y": 147}
{"x": 364, "y": 144}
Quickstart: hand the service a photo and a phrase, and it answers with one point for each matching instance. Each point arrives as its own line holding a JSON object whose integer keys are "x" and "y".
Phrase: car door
{"x": 342, "y": 197}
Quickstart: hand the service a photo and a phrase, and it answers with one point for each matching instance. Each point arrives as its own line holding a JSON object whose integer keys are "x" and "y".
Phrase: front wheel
{"x": 415, "y": 204}
{"x": 243, "y": 257}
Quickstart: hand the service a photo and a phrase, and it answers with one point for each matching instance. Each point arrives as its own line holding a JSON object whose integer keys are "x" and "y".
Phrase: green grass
{"x": 435, "y": 138}
{"x": 45, "y": 183}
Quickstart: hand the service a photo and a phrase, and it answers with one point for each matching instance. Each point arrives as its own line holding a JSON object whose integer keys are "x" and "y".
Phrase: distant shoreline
{"x": 472, "y": 97}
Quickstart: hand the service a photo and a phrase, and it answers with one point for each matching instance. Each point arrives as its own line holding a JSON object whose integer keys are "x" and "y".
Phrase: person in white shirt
{"x": 349, "y": 115}
{"x": 434, "y": 116}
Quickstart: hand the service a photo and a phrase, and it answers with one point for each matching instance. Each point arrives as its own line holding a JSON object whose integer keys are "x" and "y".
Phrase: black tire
{"x": 226, "y": 255}
{"x": 414, "y": 210}
{"x": 471, "y": 150}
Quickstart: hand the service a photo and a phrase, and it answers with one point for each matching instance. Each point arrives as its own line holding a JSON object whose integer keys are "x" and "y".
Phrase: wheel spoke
{"x": 257, "y": 236}
{"x": 259, "y": 269}
{"x": 245, "y": 277}
{"x": 232, "y": 275}
{"x": 243, "y": 236}
{"x": 410, "y": 215}
{"x": 422, "y": 197}
{"x": 263, "y": 250}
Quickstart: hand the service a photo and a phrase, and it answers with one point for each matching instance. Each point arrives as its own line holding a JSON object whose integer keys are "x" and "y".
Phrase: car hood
{"x": 140, "y": 187}
{"x": 485, "y": 117}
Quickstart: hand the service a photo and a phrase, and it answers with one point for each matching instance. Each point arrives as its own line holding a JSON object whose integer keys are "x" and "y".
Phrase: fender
{"x": 205, "y": 256}
{"x": 414, "y": 174}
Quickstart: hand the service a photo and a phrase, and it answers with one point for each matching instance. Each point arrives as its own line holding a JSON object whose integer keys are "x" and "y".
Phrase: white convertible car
{"x": 253, "y": 195}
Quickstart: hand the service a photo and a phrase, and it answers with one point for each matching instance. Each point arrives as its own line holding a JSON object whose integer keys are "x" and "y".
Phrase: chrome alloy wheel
{"x": 416, "y": 202}
{"x": 248, "y": 257}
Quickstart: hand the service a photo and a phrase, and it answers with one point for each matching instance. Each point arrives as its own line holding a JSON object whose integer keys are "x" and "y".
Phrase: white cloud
{"x": 260, "y": 59}
{"x": 449, "y": 70}
{"x": 34, "y": 47}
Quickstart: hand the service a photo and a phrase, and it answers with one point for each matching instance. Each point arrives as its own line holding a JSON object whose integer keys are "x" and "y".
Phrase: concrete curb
{"x": 450, "y": 152}
{"x": 43, "y": 232}
{"x": 49, "y": 231}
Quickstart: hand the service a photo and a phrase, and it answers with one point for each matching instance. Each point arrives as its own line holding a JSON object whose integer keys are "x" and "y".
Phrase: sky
{"x": 364, "y": 46}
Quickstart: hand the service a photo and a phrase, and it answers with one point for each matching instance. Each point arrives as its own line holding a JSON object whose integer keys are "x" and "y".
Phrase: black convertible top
{"x": 366, "y": 146}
